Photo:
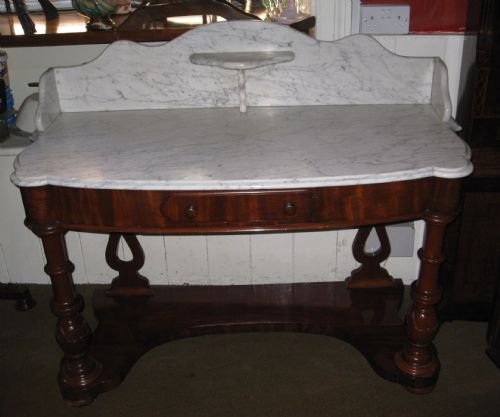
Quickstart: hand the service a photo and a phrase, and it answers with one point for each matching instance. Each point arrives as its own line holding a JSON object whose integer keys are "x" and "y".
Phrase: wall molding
{"x": 333, "y": 19}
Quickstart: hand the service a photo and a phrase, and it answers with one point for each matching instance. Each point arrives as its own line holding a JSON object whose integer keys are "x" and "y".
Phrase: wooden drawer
{"x": 177, "y": 212}
{"x": 295, "y": 206}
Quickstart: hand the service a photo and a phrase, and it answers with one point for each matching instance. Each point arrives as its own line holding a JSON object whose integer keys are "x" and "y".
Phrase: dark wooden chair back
{"x": 154, "y": 15}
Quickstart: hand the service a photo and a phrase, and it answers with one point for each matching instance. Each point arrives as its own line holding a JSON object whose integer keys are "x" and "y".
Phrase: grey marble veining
{"x": 441, "y": 102}
{"x": 339, "y": 113}
{"x": 241, "y": 61}
{"x": 223, "y": 149}
{"x": 49, "y": 106}
{"x": 130, "y": 76}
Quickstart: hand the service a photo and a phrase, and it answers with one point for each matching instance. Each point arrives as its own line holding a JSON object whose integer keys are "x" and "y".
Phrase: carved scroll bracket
{"x": 128, "y": 282}
{"x": 370, "y": 274}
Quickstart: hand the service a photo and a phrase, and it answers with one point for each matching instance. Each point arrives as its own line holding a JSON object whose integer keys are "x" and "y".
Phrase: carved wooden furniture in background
{"x": 20, "y": 293}
{"x": 471, "y": 275}
{"x": 49, "y": 10}
{"x": 189, "y": 162}
{"x": 485, "y": 140}
{"x": 55, "y": 31}
{"x": 24, "y": 18}
{"x": 493, "y": 350}
{"x": 155, "y": 14}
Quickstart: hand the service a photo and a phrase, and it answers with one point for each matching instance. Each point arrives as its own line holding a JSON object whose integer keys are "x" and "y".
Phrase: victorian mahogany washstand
{"x": 150, "y": 140}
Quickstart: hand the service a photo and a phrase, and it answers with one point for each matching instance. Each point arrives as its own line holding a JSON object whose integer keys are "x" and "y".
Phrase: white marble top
{"x": 223, "y": 149}
{"x": 319, "y": 114}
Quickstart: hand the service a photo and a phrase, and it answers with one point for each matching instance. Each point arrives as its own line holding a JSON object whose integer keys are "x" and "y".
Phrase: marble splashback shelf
{"x": 242, "y": 61}
{"x": 353, "y": 70}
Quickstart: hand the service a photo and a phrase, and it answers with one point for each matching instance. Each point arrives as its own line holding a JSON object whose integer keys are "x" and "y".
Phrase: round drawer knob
{"x": 190, "y": 211}
{"x": 290, "y": 208}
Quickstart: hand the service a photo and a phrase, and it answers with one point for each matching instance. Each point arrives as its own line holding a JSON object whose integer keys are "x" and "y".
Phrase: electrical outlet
{"x": 385, "y": 19}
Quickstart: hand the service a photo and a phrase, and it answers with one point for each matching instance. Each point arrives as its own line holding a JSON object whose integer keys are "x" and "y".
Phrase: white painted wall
{"x": 239, "y": 259}
{"x": 29, "y": 63}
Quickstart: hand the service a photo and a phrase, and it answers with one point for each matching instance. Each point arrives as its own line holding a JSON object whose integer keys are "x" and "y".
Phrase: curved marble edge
{"x": 226, "y": 150}
{"x": 323, "y": 73}
{"x": 440, "y": 96}
{"x": 284, "y": 183}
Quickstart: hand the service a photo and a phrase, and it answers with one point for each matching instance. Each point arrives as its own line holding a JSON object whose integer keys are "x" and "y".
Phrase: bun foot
{"x": 80, "y": 400}
{"x": 420, "y": 390}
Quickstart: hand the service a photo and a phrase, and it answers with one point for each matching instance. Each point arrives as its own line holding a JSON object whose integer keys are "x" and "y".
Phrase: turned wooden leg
{"x": 418, "y": 360}
{"x": 78, "y": 370}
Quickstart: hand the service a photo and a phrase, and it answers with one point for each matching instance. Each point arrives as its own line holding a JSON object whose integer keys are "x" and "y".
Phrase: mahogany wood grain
{"x": 137, "y": 211}
{"x": 134, "y": 317}
{"x": 128, "y": 281}
{"x": 370, "y": 274}
{"x": 78, "y": 370}
{"x": 418, "y": 357}
{"x": 365, "y": 318}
